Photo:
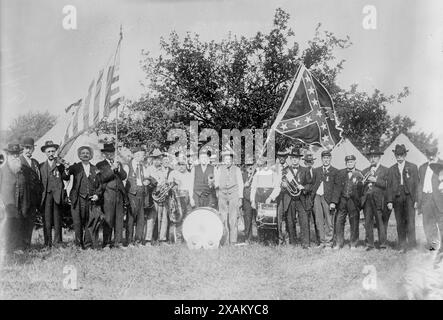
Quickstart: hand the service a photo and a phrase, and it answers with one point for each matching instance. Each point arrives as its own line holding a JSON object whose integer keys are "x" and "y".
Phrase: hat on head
{"x": 49, "y": 144}
{"x": 308, "y": 157}
{"x": 282, "y": 152}
{"x": 13, "y": 148}
{"x": 295, "y": 152}
{"x": 79, "y": 150}
{"x": 432, "y": 151}
{"x": 28, "y": 142}
{"x": 108, "y": 147}
{"x": 326, "y": 153}
{"x": 374, "y": 152}
{"x": 156, "y": 153}
{"x": 400, "y": 149}
{"x": 350, "y": 157}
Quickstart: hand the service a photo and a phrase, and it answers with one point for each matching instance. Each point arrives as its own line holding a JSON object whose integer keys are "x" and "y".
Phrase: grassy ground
{"x": 174, "y": 272}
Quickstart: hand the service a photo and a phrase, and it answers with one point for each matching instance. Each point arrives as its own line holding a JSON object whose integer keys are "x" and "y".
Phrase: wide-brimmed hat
{"x": 282, "y": 152}
{"x": 374, "y": 152}
{"x": 13, "y": 148}
{"x": 28, "y": 142}
{"x": 350, "y": 157}
{"x": 108, "y": 147}
{"x": 308, "y": 158}
{"x": 295, "y": 152}
{"x": 400, "y": 149}
{"x": 79, "y": 150}
{"x": 49, "y": 144}
{"x": 156, "y": 153}
{"x": 436, "y": 166}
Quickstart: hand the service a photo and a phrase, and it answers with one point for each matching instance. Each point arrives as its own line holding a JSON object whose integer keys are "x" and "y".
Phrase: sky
{"x": 46, "y": 67}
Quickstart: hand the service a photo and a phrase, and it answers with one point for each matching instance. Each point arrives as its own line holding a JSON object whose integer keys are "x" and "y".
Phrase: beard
{"x": 14, "y": 164}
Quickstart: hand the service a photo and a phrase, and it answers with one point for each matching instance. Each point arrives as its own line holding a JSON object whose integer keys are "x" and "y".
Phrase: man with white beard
{"x": 14, "y": 193}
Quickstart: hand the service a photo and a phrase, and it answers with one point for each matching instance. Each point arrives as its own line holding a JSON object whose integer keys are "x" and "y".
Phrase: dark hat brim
{"x": 43, "y": 148}
{"x": 12, "y": 151}
{"x": 107, "y": 150}
{"x": 375, "y": 153}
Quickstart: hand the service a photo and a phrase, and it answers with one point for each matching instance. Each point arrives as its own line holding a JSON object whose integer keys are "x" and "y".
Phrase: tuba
{"x": 161, "y": 192}
{"x": 293, "y": 187}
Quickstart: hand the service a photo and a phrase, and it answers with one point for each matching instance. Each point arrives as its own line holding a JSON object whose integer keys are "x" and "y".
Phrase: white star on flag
{"x": 307, "y": 78}
{"x": 319, "y": 114}
{"x": 284, "y": 126}
{"x": 323, "y": 126}
{"x": 296, "y": 123}
{"x": 311, "y": 90}
{"x": 308, "y": 119}
{"x": 325, "y": 138}
{"x": 315, "y": 102}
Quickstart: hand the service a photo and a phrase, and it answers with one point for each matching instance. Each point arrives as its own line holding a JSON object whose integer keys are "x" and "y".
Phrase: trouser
{"x": 248, "y": 216}
{"x": 282, "y": 224}
{"x": 28, "y": 227}
{"x": 205, "y": 199}
{"x": 158, "y": 214}
{"x": 228, "y": 210}
{"x": 431, "y": 216}
{"x": 296, "y": 211}
{"x": 261, "y": 195}
{"x": 386, "y": 214}
{"x": 323, "y": 226}
{"x": 347, "y": 207}
{"x": 135, "y": 216}
{"x": 52, "y": 216}
{"x": 176, "y": 229}
{"x": 11, "y": 237}
{"x": 405, "y": 219}
{"x": 371, "y": 212}
{"x": 80, "y": 219}
{"x": 114, "y": 216}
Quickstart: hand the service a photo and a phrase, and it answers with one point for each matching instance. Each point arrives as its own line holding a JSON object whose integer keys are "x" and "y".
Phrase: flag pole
{"x": 118, "y": 103}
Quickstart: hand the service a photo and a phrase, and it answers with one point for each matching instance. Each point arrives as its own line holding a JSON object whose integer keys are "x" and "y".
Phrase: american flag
{"x": 101, "y": 99}
{"x": 307, "y": 113}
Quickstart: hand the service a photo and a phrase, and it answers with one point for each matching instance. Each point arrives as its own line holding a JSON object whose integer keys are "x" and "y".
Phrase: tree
{"x": 31, "y": 124}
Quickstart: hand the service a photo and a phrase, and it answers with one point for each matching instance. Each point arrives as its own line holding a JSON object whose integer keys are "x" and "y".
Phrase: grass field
{"x": 242, "y": 272}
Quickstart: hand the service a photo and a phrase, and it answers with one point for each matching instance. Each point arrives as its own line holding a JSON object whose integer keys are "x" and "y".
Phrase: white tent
{"x": 339, "y": 153}
{"x": 414, "y": 155}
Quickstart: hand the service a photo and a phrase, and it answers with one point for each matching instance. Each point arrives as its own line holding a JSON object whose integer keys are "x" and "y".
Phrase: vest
{"x": 348, "y": 187}
{"x": 86, "y": 186}
{"x": 201, "y": 184}
{"x": 228, "y": 179}
{"x": 54, "y": 180}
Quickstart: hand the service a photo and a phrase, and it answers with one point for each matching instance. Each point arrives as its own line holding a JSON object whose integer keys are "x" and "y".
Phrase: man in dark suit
{"x": 429, "y": 199}
{"x": 294, "y": 206}
{"x": 51, "y": 173}
{"x": 114, "y": 196}
{"x": 403, "y": 182}
{"x": 30, "y": 168}
{"x": 374, "y": 199}
{"x": 248, "y": 211}
{"x": 346, "y": 197}
{"x": 86, "y": 191}
{"x": 323, "y": 186}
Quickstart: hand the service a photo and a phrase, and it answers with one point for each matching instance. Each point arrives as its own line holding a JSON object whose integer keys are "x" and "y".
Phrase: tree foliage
{"x": 31, "y": 124}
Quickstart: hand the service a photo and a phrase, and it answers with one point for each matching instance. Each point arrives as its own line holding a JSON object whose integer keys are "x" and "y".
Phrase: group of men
{"x": 142, "y": 198}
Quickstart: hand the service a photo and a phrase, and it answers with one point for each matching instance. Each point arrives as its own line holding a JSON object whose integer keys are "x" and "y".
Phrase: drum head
{"x": 202, "y": 228}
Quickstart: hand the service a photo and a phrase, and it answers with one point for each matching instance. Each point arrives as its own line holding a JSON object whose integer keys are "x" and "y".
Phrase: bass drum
{"x": 203, "y": 228}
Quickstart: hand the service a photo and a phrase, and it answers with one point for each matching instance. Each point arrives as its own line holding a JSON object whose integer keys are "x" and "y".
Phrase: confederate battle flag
{"x": 307, "y": 113}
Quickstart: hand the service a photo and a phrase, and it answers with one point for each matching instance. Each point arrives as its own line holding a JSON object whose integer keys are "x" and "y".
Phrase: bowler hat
{"x": 108, "y": 147}
{"x": 350, "y": 157}
{"x": 14, "y": 148}
{"x": 28, "y": 142}
{"x": 400, "y": 149}
{"x": 308, "y": 157}
{"x": 295, "y": 152}
{"x": 49, "y": 144}
{"x": 374, "y": 152}
{"x": 79, "y": 150}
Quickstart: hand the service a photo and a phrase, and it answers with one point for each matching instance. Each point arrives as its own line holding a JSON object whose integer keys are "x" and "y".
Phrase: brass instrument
{"x": 175, "y": 208}
{"x": 161, "y": 192}
{"x": 293, "y": 187}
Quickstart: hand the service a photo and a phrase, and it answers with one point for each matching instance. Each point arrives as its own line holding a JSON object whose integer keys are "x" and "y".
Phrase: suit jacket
{"x": 246, "y": 189}
{"x": 376, "y": 189}
{"x": 411, "y": 181}
{"x": 44, "y": 171}
{"x": 32, "y": 176}
{"x": 339, "y": 187}
{"x": 328, "y": 182}
{"x": 436, "y": 195}
{"x": 79, "y": 174}
{"x": 112, "y": 180}
{"x": 303, "y": 179}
